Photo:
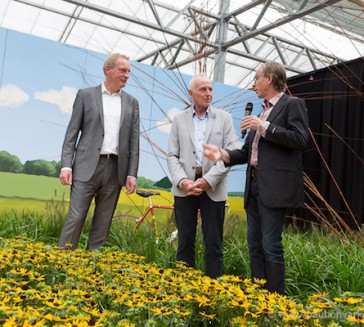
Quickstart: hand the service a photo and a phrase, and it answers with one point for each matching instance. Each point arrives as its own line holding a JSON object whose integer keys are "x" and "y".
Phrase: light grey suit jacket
{"x": 181, "y": 151}
{"x": 85, "y": 134}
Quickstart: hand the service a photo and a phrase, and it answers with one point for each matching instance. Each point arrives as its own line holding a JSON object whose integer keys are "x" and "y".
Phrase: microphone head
{"x": 249, "y": 107}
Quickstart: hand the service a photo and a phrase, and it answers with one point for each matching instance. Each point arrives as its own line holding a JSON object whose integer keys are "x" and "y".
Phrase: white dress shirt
{"x": 111, "y": 104}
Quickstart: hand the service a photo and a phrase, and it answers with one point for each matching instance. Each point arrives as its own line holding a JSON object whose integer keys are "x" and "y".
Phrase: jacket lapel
{"x": 123, "y": 107}
{"x": 190, "y": 125}
{"x": 277, "y": 108}
{"x": 98, "y": 98}
{"x": 210, "y": 123}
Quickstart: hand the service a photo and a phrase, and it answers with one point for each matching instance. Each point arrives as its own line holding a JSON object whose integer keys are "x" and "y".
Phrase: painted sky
{"x": 39, "y": 80}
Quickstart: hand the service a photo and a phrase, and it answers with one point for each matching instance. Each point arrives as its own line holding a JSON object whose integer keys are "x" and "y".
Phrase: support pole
{"x": 220, "y": 58}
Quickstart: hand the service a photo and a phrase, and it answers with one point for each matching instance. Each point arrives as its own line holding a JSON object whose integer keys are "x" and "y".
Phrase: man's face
{"x": 202, "y": 93}
{"x": 119, "y": 74}
{"x": 260, "y": 84}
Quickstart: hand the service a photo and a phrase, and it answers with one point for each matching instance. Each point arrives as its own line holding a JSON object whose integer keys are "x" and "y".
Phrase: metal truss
{"x": 226, "y": 40}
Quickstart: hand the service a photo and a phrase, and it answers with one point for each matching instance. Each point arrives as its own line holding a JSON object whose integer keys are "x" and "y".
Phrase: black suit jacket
{"x": 280, "y": 166}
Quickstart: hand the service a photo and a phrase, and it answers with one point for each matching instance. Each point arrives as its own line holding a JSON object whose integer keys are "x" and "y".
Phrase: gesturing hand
{"x": 211, "y": 152}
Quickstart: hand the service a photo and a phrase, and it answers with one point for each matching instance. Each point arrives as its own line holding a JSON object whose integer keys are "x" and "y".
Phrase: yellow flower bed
{"x": 42, "y": 285}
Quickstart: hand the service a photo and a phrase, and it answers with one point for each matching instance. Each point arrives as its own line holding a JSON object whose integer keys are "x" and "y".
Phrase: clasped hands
{"x": 195, "y": 187}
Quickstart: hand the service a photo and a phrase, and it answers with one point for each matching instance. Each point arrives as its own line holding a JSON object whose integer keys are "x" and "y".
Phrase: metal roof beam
{"x": 133, "y": 19}
{"x": 154, "y": 11}
{"x": 280, "y": 22}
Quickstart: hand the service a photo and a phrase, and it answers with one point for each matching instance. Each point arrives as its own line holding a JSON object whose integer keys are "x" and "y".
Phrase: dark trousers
{"x": 213, "y": 215}
{"x": 105, "y": 189}
{"x": 265, "y": 227}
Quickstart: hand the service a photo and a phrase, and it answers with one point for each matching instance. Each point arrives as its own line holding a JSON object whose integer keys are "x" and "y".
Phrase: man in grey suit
{"x": 100, "y": 153}
{"x": 197, "y": 183}
{"x": 274, "y": 183}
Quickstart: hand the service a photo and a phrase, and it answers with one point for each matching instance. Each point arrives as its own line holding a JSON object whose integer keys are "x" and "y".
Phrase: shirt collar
{"x": 194, "y": 113}
{"x": 273, "y": 101}
{"x": 105, "y": 91}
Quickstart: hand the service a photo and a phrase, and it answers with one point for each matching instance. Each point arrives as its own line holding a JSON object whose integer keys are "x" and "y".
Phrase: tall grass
{"x": 316, "y": 261}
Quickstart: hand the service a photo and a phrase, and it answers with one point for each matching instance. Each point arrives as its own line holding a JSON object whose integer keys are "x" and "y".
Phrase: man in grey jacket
{"x": 100, "y": 153}
{"x": 197, "y": 183}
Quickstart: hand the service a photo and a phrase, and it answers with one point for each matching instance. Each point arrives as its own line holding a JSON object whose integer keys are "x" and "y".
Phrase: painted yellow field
{"x": 21, "y": 192}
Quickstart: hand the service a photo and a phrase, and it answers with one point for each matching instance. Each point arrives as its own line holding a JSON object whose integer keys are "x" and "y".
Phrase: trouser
{"x": 105, "y": 189}
{"x": 213, "y": 215}
{"x": 265, "y": 226}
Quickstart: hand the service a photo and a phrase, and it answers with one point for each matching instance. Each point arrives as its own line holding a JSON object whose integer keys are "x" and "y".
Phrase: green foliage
{"x": 164, "y": 184}
{"x": 40, "y": 167}
{"x": 43, "y": 285}
{"x": 319, "y": 261}
{"x": 145, "y": 183}
{"x": 240, "y": 194}
{"x": 136, "y": 279}
{"x": 10, "y": 163}
{"x": 316, "y": 262}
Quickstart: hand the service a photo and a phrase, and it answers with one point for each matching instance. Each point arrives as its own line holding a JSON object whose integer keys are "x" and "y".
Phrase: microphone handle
{"x": 244, "y": 132}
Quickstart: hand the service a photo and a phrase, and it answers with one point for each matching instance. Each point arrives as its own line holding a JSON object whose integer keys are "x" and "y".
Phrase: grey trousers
{"x": 104, "y": 188}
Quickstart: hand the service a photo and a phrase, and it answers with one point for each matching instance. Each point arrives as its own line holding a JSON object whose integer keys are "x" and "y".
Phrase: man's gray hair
{"x": 111, "y": 60}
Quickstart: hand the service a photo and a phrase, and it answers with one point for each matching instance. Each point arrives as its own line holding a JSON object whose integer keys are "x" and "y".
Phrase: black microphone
{"x": 248, "y": 111}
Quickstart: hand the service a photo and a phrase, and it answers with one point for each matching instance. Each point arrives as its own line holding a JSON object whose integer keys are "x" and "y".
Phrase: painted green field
{"x": 22, "y": 192}
{"x": 32, "y": 187}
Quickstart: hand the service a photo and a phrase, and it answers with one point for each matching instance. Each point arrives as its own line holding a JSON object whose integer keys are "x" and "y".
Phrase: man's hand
{"x": 190, "y": 188}
{"x": 250, "y": 122}
{"x": 211, "y": 152}
{"x": 66, "y": 177}
{"x": 201, "y": 183}
{"x": 130, "y": 185}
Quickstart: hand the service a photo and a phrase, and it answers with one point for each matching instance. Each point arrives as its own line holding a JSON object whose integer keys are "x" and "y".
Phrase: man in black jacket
{"x": 274, "y": 183}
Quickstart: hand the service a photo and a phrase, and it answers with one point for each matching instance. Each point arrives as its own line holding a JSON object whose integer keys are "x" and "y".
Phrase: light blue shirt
{"x": 200, "y": 128}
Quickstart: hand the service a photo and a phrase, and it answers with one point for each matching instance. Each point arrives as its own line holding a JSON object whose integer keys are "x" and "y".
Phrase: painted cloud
{"x": 166, "y": 124}
{"x": 12, "y": 96}
{"x": 63, "y": 99}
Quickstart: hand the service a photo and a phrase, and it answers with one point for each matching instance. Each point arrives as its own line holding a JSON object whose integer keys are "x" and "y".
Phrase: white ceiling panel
{"x": 194, "y": 35}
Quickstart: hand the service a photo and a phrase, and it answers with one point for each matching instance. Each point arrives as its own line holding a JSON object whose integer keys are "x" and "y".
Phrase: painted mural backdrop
{"x": 39, "y": 80}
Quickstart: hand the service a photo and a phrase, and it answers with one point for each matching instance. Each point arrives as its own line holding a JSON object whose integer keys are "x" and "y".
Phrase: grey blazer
{"x": 85, "y": 133}
{"x": 181, "y": 151}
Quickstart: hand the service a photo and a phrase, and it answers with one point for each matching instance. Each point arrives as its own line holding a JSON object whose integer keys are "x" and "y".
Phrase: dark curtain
{"x": 335, "y": 101}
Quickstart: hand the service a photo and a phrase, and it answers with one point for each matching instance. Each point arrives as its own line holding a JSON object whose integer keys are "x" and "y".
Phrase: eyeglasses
{"x": 256, "y": 78}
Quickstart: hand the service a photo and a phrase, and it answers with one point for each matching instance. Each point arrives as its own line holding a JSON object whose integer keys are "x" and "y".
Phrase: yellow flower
{"x": 56, "y": 304}
{"x": 11, "y": 322}
{"x": 348, "y": 300}
{"x": 161, "y": 311}
{"x": 33, "y": 323}
{"x": 125, "y": 324}
{"x": 77, "y": 323}
{"x": 238, "y": 321}
{"x": 359, "y": 319}
{"x": 204, "y": 301}
{"x": 210, "y": 316}
{"x": 19, "y": 271}
{"x": 322, "y": 304}
{"x": 181, "y": 312}
{"x": 92, "y": 311}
